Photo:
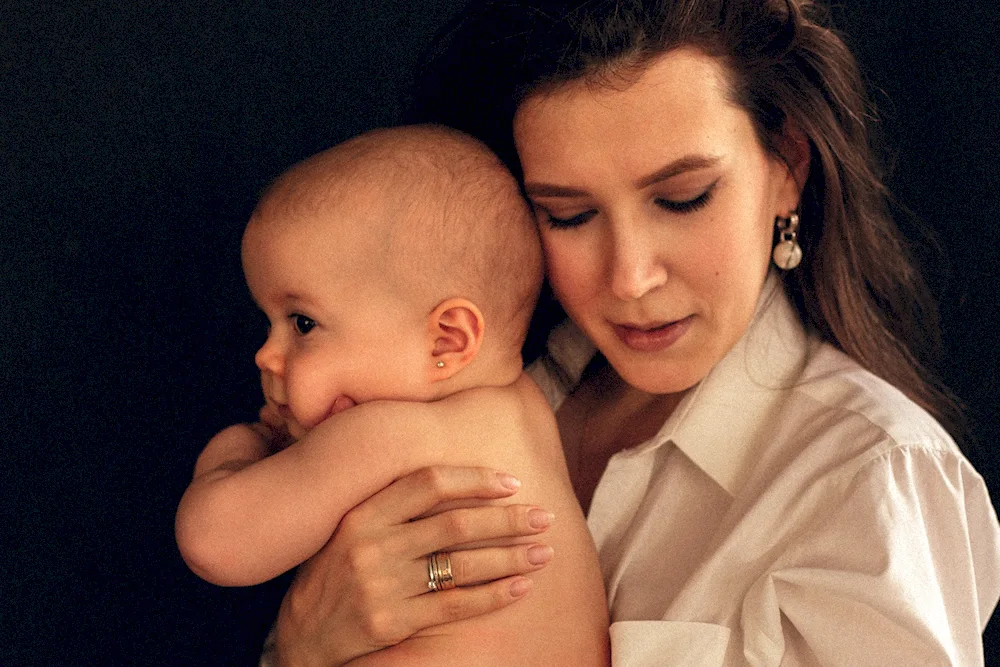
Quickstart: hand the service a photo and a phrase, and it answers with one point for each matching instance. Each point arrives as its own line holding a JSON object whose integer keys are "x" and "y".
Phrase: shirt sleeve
{"x": 902, "y": 569}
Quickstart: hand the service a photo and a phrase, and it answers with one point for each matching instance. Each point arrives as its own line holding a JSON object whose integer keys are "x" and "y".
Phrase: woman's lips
{"x": 652, "y": 338}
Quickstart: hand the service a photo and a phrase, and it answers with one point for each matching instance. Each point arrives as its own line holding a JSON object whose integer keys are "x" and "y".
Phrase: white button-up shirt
{"x": 793, "y": 510}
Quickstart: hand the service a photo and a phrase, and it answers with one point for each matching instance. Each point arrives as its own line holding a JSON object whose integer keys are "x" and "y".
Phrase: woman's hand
{"x": 367, "y": 588}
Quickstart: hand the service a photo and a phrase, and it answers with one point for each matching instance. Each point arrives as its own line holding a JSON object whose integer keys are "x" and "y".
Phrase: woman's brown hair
{"x": 857, "y": 286}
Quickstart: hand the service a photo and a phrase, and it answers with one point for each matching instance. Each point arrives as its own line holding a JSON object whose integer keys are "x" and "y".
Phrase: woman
{"x": 764, "y": 457}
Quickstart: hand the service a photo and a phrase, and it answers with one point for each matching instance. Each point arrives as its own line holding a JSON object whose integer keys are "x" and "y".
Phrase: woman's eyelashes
{"x": 687, "y": 205}
{"x": 574, "y": 221}
{"x": 302, "y": 323}
{"x": 672, "y": 205}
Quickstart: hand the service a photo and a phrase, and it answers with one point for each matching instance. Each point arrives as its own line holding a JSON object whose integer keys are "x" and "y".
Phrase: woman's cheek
{"x": 572, "y": 271}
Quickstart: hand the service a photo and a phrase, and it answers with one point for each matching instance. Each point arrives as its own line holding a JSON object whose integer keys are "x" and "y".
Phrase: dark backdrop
{"x": 135, "y": 137}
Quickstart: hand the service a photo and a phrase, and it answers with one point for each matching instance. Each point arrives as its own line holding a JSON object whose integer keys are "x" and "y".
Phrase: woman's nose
{"x": 636, "y": 268}
{"x": 269, "y": 358}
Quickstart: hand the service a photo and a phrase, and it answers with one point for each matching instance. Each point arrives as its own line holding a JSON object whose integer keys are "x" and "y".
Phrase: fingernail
{"x": 540, "y": 554}
{"x": 509, "y": 481}
{"x": 519, "y": 587}
{"x": 539, "y": 519}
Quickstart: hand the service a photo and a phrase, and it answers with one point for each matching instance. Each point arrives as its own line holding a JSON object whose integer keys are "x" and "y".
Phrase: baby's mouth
{"x": 341, "y": 403}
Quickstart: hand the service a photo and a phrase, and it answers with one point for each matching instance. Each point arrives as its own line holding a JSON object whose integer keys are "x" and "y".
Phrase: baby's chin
{"x": 340, "y": 404}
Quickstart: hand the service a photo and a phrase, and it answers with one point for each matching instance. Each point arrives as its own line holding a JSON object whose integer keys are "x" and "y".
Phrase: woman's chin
{"x": 657, "y": 377}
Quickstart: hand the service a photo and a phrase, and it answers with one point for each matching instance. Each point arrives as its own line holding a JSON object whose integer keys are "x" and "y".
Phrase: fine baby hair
{"x": 447, "y": 215}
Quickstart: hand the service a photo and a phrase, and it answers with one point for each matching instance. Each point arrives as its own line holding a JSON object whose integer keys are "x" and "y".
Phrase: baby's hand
{"x": 273, "y": 428}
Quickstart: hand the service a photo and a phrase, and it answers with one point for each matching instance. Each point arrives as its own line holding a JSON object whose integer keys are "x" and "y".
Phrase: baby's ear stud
{"x": 440, "y": 364}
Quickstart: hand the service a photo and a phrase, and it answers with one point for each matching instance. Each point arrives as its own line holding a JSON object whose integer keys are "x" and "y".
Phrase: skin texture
{"x": 331, "y": 614}
{"x": 624, "y": 163}
{"x": 336, "y": 333}
{"x": 672, "y": 202}
{"x": 426, "y": 388}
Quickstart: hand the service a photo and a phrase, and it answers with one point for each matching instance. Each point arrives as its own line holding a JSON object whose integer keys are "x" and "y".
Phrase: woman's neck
{"x": 602, "y": 417}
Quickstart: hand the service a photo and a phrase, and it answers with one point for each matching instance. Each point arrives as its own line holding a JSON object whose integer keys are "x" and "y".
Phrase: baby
{"x": 398, "y": 272}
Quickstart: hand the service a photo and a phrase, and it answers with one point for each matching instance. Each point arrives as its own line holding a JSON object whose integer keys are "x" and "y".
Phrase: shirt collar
{"x": 571, "y": 351}
{"x": 718, "y": 423}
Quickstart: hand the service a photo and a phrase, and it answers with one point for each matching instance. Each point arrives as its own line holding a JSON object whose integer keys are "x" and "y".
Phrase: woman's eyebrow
{"x": 550, "y": 190}
{"x": 679, "y": 166}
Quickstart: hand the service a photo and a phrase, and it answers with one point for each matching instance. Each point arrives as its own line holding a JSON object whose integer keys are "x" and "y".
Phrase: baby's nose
{"x": 269, "y": 358}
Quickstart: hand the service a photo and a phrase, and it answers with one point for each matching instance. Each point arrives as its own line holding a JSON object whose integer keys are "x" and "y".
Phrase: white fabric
{"x": 794, "y": 510}
{"x": 639, "y": 643}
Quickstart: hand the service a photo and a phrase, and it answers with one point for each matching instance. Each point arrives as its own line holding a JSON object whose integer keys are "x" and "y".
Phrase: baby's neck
{"x": 484, "y": 371}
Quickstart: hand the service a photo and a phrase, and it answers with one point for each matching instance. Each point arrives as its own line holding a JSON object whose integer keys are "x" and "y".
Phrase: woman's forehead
{"x": 678, "y": 105}
{"x": 676, "y": 65}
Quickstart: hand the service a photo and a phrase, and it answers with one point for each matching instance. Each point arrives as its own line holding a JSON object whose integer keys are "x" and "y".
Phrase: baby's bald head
{"x": 433, "y": 213}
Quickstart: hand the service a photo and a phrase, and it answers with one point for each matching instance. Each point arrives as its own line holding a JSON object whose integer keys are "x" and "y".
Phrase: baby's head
{"x": 402, "y": 264}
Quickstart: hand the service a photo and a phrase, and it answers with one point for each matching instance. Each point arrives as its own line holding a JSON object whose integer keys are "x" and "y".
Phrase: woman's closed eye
{"x": 686, "y": 205}
{"x": 565, "y": 223}
{"x": 302, "y": 323}
{"x": 668, "y": 204}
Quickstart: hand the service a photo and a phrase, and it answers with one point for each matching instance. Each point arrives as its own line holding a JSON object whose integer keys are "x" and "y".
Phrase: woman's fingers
{"x": 367, "y": 588}
{"x": 421, "y": 491}
{"x": 451, "y": 529}
{"x": 479, "y": 566}
{"x": 435, "y": 608}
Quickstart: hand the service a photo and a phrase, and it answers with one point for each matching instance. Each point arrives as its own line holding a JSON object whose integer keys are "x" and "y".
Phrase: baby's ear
{"x": 455, "y": 333}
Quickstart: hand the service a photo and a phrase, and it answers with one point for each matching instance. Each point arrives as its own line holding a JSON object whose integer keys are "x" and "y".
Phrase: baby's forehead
{"x": 355, "y": 230}
{"x": 410, "y": 187}
{"x": 344, "y": 194}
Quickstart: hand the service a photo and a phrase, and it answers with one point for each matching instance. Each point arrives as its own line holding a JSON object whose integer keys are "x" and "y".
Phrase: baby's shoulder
{"x": 518, "y": 402}
{"x": 514, "y": 419}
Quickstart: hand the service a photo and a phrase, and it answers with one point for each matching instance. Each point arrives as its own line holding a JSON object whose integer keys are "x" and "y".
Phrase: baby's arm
{"x": 240, "y": 445}
{"x": 248, "y": 516}
{"x": 231, "y": 450}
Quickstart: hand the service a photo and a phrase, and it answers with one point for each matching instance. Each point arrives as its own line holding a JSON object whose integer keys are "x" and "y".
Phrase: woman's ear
{"x": 794, "y": 148}
{"x": 455, "y": 334}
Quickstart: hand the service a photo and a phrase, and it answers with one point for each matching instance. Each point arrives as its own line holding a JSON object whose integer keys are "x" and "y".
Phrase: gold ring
{"x": 439, "y": 573}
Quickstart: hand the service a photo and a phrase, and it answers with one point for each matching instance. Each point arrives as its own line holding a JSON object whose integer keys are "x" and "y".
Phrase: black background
{"x": 135, "y": 138}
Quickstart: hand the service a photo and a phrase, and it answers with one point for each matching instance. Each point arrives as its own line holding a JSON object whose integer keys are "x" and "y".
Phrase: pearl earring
{"x": 787, "y": 252}
{"x": 440, "y": 364}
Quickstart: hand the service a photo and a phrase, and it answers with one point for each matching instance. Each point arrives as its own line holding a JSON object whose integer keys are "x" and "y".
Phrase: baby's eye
{"x": 303, "y": 324}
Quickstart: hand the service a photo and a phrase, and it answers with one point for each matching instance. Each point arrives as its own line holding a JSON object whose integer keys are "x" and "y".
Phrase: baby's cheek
{"x": 307, "y": 413}
{"x": 309, "y": 402}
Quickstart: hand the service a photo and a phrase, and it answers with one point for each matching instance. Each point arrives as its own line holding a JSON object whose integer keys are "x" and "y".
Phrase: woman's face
{"x": 656, "y": 204}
